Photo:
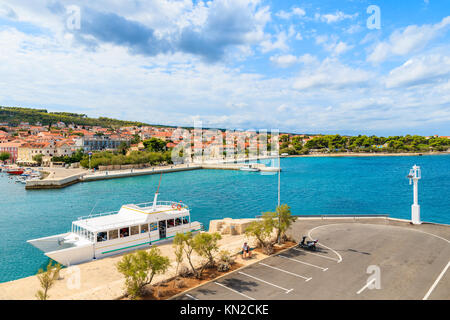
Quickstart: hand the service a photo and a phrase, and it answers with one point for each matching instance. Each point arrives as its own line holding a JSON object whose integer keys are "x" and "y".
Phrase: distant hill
{"x": 15, "y": 115}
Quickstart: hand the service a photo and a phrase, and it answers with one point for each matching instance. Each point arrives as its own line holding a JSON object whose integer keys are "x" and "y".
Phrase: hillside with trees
{"x": 362, "y": 144}
{"x": 14, "y": 116}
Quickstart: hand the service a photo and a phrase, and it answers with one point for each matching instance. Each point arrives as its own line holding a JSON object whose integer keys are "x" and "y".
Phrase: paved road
{"x": 410, "y": 264}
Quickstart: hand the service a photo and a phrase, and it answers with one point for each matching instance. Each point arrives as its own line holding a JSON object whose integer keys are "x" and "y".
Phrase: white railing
{"x": 172, "y": 204}
{"x": 98, "y": 215}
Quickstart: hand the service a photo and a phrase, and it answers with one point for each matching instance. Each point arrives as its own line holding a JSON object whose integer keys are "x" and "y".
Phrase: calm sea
{"x": 348, "y": 185}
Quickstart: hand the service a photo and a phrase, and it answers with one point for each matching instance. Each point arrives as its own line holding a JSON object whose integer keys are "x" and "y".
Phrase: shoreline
{"x": 355, "y": 154}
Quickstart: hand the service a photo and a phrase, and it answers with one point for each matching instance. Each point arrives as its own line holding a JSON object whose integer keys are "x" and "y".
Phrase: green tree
{"x": 38, "y": 159}
{"x": 155, "y": 145}
{"x": 4, "y": 156}
{"x": 123, "y": 148}
{"x": 186, "y": 240}
{"x": 139, "y": 269}
{"x": 179, "y": 251}
{"x": 46, "y": 279}
{"x": 205, "y": 245}
{"x": 262, "y": 230}
{"x": 282, "y": 220}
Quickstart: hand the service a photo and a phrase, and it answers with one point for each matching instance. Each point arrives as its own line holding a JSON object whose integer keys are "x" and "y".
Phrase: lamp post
{"x": 414, "y": 176}
{"x": 90, "y": 154}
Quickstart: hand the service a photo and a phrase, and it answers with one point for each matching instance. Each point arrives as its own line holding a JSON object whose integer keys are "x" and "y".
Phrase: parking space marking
{"x": 261, "y": 280}
{"x": 308, "y": 264}
{"x": 224, "y": 286}
{"x": 309, "y": 235}
{"x": 288, "y": 272}
{"x": 320, "y": 255}
{"x": 437, "y": 281}
{"x": 366, "y": 286}
{"x": 193, "y": 298}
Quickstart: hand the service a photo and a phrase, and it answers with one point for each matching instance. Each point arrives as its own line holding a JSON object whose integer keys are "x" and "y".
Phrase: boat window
{"x": 134, "y": 230}
{"x": 113, "y": 234}
{"x": 170, "y": 223}
{"x": 186, "y": 220}
{"x": 153, "y": 226}
{"x": 101, "y": 236}
{"x": 144, "y": 228}
{"x": 124, "y": 232}
{"x": 178, "y": 221}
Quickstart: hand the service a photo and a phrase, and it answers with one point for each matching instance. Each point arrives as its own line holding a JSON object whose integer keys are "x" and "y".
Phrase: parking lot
{"x": 353, "y": 261}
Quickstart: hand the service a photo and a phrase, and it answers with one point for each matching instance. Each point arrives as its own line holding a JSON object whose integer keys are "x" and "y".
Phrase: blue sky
{"x": 297, "y": 66}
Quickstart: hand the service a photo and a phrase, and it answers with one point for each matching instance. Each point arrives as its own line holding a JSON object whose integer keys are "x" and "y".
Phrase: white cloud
{"x": 295, "y": 12}
{"x": 420, "y": 70}
{"x": 288, "y": 60}
{"x": 331, "y": 74}
{"x": 332, "y": 44}
{"x": 284, "y": 61}
{"x": 334, "y": 17}
{"x": 279, "y": 43}
{"x": 404, "y": 41}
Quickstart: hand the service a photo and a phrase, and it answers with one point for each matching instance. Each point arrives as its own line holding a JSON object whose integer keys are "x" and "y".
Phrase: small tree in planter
{"x": 205, "y": 244}
{"x": 282, "y": 220}
{"x": 139, "y": 269}
{"x": 262, "y": 231}
{"x": 186, "y": 240}
{"x": 179, "y": 250}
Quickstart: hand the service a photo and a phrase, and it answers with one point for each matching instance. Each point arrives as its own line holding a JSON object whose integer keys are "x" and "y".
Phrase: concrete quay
{"x": 61, "y": 178}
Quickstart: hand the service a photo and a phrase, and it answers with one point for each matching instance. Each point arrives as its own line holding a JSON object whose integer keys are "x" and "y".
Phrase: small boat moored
{"x": 248, "y": 167}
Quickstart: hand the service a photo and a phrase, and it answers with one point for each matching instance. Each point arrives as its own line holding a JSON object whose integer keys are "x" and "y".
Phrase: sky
{"x": 348, "y": 67}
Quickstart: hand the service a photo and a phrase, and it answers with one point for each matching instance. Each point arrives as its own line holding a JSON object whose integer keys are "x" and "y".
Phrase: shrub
{"x": 47, "y": 279}
{"x": 140, "y": 268}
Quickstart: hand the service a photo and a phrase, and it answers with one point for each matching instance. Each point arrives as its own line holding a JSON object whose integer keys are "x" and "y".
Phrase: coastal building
{"x": 97, "y": 143}
{"x": 11, "y": 148}
{"x": 27, "y": 151}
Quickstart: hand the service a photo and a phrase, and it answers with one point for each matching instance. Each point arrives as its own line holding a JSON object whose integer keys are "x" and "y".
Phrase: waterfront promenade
{"x": 413, "y": 262}
{"x": 100, "y": 280}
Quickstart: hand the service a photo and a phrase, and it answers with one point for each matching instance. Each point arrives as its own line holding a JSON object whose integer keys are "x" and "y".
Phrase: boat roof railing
{"x": 143, "y": 205}
{"x": 162, "y": 203}
{"x": 98, "y": 215}
{"x": 105, "y": 227}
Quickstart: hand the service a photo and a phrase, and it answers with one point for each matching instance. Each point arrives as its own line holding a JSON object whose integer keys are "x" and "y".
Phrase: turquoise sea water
{"x": 353, "y": 185}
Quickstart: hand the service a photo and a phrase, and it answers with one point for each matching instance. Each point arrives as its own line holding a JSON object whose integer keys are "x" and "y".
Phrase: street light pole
{"x": 414, "y": 176}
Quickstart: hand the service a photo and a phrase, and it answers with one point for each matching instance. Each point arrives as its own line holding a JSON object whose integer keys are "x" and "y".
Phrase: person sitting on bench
{"x": 246, "y": 251}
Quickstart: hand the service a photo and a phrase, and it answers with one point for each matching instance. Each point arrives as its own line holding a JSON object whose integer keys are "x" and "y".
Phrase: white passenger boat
{"x": 248, "y": 167}
{"x": 134, "y": 226}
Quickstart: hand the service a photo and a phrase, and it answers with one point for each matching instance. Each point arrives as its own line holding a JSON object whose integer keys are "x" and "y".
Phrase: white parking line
{"x": 224, "y": 286}
{"x": 437, "y": 281}
{"x": 309, "y": 235}
{"x": 308, "y": 264}
{"x": 291, "y": 273}
{"x": 320, "y": 255}
{"x": 286, "y": 290}
{"x": 193, "y": 298}
{"x": 365, "y": 287}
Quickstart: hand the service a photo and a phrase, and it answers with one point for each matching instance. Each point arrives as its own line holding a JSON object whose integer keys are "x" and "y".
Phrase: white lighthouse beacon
{"x": 414, "y": 177}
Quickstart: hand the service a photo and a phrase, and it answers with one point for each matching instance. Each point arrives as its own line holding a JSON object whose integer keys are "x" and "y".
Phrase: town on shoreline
{"x": 103, "y": 142}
